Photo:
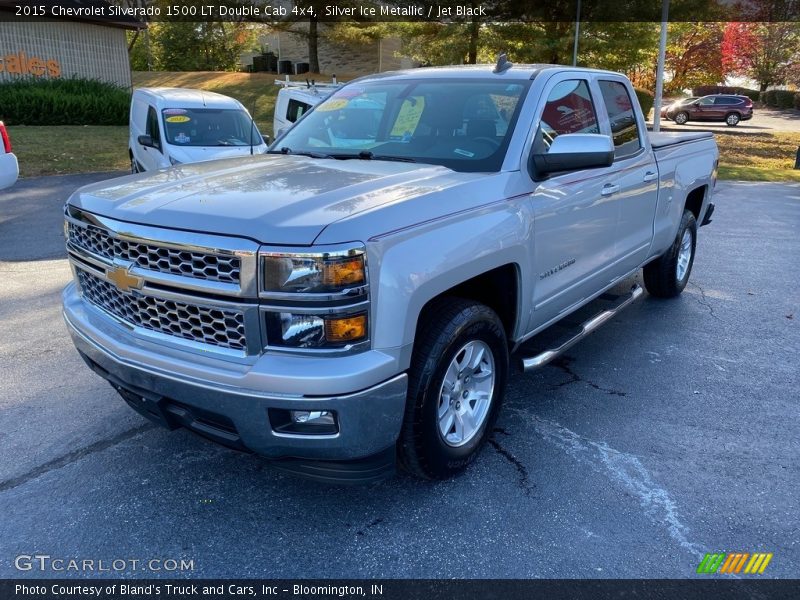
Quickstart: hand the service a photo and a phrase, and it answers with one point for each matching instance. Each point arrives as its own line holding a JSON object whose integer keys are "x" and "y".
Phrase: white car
{"x": 9, "y": 169}
{"x": 171, "y": 126}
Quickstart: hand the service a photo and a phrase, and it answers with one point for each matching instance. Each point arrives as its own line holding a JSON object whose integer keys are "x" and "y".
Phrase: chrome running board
{"x": 540, "y": 359}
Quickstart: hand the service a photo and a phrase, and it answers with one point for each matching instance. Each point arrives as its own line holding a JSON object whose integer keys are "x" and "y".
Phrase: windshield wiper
{"x": 367, "y": 155}
{"x": 287, "y": 150}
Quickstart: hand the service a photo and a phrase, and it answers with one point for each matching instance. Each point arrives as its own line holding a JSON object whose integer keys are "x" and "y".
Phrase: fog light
{"x": 304, "y": 422}
{"x": 312, "y": 417}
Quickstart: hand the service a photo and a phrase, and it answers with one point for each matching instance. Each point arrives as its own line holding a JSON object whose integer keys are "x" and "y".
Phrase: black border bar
{"x": 397, "y": 589}
{"x": 443, "y": 11}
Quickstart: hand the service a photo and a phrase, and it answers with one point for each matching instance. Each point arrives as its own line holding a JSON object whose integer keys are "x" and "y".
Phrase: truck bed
{"x": 663, "y": 140}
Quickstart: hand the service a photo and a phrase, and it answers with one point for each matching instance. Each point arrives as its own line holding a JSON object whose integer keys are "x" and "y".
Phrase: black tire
{"x": 681, "y": 118}
{"x": 134, "y": 166}
{"x": 445, "y": 327}
{"x": 661, "y": 275}
{"x": 732, "y": 119}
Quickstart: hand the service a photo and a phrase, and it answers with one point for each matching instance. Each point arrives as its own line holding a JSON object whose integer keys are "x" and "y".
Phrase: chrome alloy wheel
{"x": 466, "y": 394}
{"x": 684, "y": 255}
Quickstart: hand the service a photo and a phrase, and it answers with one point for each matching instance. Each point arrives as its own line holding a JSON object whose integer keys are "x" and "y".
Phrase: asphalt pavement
{"x": 671, "y": 432}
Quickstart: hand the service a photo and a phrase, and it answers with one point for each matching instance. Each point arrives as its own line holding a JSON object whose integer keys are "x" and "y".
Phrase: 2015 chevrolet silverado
{"x": 353, "y": 297}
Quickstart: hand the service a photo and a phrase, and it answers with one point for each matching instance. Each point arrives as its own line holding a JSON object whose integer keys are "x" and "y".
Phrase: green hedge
{"x": 784, "y": 99}
{"x": 797, "y": 101}
{"x": 63, "y": 102}
{"x": 770, "y": 98}
{"x": 752, "y": 94}
{"x": 646, "y": 100}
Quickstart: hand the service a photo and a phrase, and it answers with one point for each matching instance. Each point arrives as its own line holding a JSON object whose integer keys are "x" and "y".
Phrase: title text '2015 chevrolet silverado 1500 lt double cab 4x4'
{"x": 351, "y": 298}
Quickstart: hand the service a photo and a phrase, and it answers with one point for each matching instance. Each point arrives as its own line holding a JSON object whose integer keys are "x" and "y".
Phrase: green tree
{"x": 694, "y": 55}
{"x": 186, "y": 46}
{"x": 630, "y": 48}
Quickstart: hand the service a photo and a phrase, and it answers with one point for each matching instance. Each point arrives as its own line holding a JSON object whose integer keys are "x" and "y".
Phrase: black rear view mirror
{"x": 146, "y": 141}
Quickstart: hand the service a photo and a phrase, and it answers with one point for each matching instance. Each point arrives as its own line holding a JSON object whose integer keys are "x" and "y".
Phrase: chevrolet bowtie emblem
{"x": 124, "y": 281}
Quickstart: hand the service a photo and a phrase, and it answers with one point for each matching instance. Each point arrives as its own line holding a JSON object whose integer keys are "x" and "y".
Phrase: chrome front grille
{"x": 189, "y": 290}
{"x": 208, "y": 325}
{"x": 163, "y": 259}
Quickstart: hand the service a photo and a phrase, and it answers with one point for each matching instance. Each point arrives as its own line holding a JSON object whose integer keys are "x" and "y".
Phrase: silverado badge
{"x": 556, "y": 269}
{"x": 121, "y": 277}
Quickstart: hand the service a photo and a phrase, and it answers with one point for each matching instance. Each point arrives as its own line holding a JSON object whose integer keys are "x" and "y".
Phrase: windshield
{"x": 209, "y": 127}
{"x": 464, "y": 125}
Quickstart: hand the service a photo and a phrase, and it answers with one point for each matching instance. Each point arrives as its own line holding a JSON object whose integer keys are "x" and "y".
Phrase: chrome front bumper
{"x": 369, "y": 416}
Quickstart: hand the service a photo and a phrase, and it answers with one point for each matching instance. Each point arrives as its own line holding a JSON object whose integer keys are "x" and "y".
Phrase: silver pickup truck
{"x": 351, "y": 299}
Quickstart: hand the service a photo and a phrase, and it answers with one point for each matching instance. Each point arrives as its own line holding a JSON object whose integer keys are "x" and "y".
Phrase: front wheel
{"x": 732, "y": 120}
{"x": 681, "y": 118}
{"x": 134, "y": 165}
{"x": 456, "y": 384}
{"x": 667, "y": 276}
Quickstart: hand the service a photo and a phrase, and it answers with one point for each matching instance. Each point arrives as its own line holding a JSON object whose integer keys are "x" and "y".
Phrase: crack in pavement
{"x": 703, "y": 301}
{"x": 74, "y": 456}
{"x": 626, "y": 469}
{"x": 370, "y": 525}
{"x": 563, "y": 362}
{"x": 524, "y": 483}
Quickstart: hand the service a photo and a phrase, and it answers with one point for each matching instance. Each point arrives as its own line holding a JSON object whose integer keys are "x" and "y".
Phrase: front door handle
{"x": 650, "y": 176}
{"x": 609, "y": 189}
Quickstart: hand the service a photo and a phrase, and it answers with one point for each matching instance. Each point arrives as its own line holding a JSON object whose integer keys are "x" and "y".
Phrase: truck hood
{"x": 273, "y": 199}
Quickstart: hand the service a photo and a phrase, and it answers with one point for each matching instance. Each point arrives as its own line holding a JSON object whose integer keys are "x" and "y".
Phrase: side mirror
{"x": 573, "y": 151}
{"x": 265, "y": 138}
{"x": 146, "y": 141}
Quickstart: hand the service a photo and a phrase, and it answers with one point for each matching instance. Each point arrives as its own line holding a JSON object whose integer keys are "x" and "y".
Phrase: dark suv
{"x": 718, "y": 107}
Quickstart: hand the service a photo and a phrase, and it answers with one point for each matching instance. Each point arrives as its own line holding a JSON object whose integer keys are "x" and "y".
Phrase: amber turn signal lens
{"x": 343, "y": 273}
{"x": 348, "y": 329}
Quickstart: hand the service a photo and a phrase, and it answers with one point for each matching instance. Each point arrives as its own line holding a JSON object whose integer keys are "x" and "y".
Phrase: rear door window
{"x": 296, "y": 109}
{"x": 622, "y": 117}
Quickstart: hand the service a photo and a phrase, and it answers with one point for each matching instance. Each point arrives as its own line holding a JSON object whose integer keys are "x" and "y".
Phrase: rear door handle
{"x": 609, "y": 189}
{"x": 650, "y": 176}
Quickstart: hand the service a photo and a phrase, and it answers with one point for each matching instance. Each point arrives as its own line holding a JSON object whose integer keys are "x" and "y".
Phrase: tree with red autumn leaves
{"x": 766, "y": 52}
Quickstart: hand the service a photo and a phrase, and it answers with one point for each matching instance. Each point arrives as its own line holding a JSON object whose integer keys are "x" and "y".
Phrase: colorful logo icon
{"x": 732, "y": 562}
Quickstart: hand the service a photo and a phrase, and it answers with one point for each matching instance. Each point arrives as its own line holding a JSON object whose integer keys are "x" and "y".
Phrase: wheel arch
{"x": 695, "y": 200}
{"x": 497, "y": 288}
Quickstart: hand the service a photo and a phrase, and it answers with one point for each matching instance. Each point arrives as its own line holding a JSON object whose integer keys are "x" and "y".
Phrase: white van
{"x": 170, "y": 126}
{"x": 295, "y": 99}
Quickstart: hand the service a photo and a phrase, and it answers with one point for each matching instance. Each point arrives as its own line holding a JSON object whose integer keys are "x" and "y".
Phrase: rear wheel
{"x": 732, "y": 119}
{"x": 456, "y": 385}
{"x": 681, "y": 118}
{"x": 667, "y": 276}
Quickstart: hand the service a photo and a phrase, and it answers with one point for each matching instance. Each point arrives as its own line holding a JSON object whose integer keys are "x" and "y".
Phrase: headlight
{"x": 313, "y": 273}
{"x": 315, "y": 300}
{"x": 174, "y": 161}
{"x": 309, "y": 331}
